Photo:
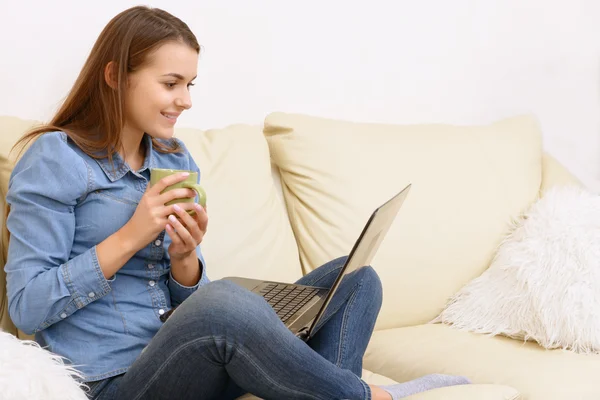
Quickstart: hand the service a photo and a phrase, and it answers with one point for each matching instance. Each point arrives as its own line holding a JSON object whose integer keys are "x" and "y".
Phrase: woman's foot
{"x": 378, "y": 393}
{"x": 427, "y": 382}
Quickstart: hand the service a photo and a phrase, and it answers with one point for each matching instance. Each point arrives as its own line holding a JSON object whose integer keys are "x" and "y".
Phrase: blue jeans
{"x": 225, "y": 341}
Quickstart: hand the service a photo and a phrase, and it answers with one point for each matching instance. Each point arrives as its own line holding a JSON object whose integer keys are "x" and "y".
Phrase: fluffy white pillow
{"x": 544, "y": 282}
{"x": 29, "y": 372}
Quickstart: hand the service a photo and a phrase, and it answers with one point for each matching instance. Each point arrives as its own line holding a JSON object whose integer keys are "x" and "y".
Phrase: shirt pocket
{"x": 129, "y": 197}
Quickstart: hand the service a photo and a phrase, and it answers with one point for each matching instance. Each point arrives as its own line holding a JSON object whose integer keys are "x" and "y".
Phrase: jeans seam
{"x": 367, "y": 389}
{"x": 343, "y": 330}
{"x": 274, "y": 383}
{"x": 202, "y": 339}
{"x": 166, "y": 362}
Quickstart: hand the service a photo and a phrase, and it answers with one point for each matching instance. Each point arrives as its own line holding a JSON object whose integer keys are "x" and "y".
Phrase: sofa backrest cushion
{"x": 11, "y": 129}
{"x": 468, "y": 182}
{"x": 249, "y": 233}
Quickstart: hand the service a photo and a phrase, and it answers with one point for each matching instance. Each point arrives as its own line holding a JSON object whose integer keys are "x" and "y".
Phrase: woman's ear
{"x": 110, "y": 74}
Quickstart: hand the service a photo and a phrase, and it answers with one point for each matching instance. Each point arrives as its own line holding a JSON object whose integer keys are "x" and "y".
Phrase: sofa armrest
{"x": 555, "y": 174}
{"x": 469, "y": 392}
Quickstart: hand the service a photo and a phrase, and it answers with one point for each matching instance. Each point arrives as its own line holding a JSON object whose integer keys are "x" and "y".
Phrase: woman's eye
{"x": 170, "y": 84}
{"x": 190, "y": 85}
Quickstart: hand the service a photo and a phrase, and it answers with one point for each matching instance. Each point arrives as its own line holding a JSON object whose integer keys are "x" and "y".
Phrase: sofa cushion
{"x": 11, "y": 129}
{"x": 5, "y": 324}
{"x": 538, "y": 374}
{"x": 367, "y": 376}
{"x": 469, "y": 392}
{"x": 249, "y": 233}
{"x": 462, "y": 392}
{"x": 468, "y": 182}
{"x": 554, "y": 174}
{"x": 543, "y": 283}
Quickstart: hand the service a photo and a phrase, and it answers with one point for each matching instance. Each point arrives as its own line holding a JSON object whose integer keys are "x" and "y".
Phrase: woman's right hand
{"x": 151, "y": 215}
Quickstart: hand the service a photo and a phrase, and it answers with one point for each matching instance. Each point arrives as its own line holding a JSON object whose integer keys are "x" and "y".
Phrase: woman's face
{"x": 159, "y": 91}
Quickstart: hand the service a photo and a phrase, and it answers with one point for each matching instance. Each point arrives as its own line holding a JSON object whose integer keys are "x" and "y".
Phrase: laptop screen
{"x": 367, "y": 244}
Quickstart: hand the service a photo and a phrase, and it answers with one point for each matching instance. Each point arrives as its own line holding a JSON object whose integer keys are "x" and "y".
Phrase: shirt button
{"x": 161, "y": 311}
{"x": 150, "y": 266}
{"x": 151, "y": 283}
{"x": 157, "y": 243}
{"x": 63, "y": 315}
{"x": 92, "y": 294}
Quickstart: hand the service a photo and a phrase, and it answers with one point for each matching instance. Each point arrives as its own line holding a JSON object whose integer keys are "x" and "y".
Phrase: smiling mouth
{"x": 170, "y": 116}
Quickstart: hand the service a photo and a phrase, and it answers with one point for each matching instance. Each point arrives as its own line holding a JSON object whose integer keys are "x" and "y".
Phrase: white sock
{"x": 422, "y": 384}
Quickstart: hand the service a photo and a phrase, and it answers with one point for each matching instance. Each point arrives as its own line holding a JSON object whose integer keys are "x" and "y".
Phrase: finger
{"x": 170, "y": 209}
{"x": 179, "y": 193}
{"x": 190, "y": 223}
{"x": 168, "y": 181}
{"x": 175, "y": 239}
{"x": 201, "y": 217}
{"x": 183, "y": 233}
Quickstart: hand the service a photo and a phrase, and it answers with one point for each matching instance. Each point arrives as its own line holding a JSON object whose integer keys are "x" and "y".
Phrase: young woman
{"x": 96, "y": 257}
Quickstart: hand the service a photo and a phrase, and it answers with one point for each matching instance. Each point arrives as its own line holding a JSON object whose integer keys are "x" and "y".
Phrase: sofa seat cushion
{"x": 464, "y": 392}
{"x": 469, "y": 392}
{"x": 538, "y": 374}
{"x": 368, "y": 376}
{"x": 468, "y": 182}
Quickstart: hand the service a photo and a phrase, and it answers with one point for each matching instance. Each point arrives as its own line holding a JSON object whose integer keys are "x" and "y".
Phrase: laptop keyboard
{"x": 286, "y": 300}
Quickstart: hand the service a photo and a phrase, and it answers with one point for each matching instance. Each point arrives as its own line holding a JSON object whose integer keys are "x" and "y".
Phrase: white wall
{"x": 460, "y": 61}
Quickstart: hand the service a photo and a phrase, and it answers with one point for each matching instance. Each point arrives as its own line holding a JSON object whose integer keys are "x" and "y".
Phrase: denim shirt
{"x": 63, "y": 203}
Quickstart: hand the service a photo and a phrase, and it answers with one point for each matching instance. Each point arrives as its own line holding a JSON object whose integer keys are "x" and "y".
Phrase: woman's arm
{"x": 44, "y": 286}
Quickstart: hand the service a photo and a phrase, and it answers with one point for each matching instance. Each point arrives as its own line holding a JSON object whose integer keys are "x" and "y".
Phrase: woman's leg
{"x": 345, "y": 331}
{"x": 342, "y": 339}
{"x": 224, "y": 333}
{"x": 105, "y": 389}
{"x": 347, "y": 327}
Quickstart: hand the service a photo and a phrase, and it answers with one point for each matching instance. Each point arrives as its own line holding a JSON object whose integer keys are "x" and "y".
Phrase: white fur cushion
{"x": 29, "y": 372}
{"x": 544, "y": 282}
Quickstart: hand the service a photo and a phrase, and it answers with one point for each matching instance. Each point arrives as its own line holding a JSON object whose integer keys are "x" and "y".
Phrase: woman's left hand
{"x": 186, "y": 231}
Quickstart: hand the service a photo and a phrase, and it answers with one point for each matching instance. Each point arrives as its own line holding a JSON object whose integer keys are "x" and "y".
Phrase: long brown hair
{"x": 92, "y": 114}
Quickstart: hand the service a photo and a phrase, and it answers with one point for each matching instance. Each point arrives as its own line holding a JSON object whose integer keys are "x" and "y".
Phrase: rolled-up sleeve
{"x": 44, "y": 286}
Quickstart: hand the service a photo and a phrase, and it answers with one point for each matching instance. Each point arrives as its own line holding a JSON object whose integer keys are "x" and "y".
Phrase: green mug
{"x": 191, "y": 182}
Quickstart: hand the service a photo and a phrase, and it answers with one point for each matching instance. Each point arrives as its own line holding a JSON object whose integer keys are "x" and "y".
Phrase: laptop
{"x": 301, "y": 307}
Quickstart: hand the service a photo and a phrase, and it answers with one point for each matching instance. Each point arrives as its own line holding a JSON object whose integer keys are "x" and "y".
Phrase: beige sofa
{"x": 288, "y": 196}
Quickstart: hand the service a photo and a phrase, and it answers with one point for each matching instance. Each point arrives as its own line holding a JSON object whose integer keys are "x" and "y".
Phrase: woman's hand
{"x": 186, "y": 231}
{"x": 151, "y": 215}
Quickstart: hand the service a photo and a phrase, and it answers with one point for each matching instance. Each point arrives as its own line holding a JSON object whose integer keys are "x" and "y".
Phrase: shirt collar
{"x": 119, "y": 167}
